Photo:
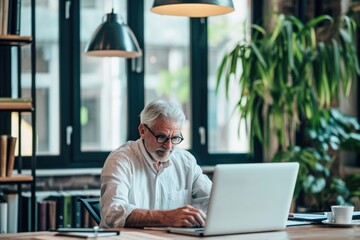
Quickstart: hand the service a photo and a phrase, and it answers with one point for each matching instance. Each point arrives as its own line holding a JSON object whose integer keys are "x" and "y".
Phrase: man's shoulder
{"x": 128, "y": 146}
{"x": 183, "y": 156}
{"x": 182, "y": 152}
{"x": 127, "y": 150}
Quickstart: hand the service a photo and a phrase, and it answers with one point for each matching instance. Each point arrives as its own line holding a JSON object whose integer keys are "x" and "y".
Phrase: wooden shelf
{"x": 17, "y": 109}
{"x": 15, "y": 40}
{"x": 16, "y": 104}
{"x": 16, "y": 179}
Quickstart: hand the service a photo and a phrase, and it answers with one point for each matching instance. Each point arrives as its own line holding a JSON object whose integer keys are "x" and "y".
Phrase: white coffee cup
{"x": 342, "y": 214}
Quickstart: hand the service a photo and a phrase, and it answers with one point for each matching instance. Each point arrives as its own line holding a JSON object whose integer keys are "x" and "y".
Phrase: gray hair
{"x": 162, "y": 109}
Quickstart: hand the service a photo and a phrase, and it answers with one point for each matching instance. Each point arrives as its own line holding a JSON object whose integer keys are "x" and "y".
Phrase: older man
{"x": 150, "y": 182}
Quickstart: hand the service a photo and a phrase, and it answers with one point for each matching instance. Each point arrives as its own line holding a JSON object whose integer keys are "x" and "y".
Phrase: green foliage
{"x": 313, "y": 171}
{"x": 335, "y": 131}
{"x": 291, "y": 75}
{"x": 353, "y": 185}
{"x": 175, "y": 83}
{"x": 315, "y": 181}
{"x": 288, "y": 74}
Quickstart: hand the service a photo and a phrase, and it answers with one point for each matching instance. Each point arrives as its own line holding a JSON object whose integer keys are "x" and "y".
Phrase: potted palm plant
{"x": 288, "y": 76}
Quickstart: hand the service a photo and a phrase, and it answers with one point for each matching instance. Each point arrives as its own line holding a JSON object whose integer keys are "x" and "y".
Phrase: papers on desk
{"x": 356, "y": 215}
{"x": 307, "y": 217}
{"x": 316, "y": 217}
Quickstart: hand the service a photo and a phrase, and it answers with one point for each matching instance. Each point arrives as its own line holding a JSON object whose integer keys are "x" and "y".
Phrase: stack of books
{"x": 55, "y": 210}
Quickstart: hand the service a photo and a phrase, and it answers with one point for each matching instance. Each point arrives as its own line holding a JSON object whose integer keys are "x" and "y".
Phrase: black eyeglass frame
{"x": 166, "y": 138}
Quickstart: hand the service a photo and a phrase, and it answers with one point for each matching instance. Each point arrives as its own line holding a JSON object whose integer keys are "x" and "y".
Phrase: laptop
{"x": 249, "y": 197}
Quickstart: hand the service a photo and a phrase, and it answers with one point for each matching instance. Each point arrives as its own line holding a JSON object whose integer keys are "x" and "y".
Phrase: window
{"x": 225, "y": 133}
{"x": 167, "y": 62}
{"x": 88, "y": 106}
{"x": 102, "y": 85}
{"x": 47, "y": 75}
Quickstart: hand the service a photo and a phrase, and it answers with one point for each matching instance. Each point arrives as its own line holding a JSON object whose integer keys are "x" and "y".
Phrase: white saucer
{"x": 352, "y": 224}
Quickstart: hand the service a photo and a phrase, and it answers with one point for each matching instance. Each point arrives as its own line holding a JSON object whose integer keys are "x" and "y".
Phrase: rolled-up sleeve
{"x": 201, "y": 189}
{"x": 115, "y": 186}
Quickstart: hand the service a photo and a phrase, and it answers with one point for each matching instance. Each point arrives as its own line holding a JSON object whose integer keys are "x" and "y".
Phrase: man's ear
{"x": 141, "y": 129}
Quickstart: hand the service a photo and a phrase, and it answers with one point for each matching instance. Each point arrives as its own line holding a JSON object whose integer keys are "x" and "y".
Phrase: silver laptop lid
{"x": 250, "y": 197}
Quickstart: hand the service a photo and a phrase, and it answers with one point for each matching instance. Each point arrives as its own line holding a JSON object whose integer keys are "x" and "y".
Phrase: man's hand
{"x": 186, "y": 216}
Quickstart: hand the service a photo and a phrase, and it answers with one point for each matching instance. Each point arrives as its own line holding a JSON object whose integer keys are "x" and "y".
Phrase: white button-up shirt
{"x": 129, "y": 181}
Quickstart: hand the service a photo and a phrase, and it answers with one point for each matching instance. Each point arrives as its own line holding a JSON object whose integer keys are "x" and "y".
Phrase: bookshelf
{"x": 19, "y": 105}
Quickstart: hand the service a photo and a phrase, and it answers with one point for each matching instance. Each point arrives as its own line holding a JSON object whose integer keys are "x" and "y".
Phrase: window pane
{"x": 47, "y": 76}
{"x": 223, "y": 32}
{"x": 103, "y": 84}
{"x": 167, "y": 67}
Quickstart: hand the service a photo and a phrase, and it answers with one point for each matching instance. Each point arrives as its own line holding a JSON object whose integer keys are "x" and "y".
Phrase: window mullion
{"x": 199, "y": 73}
{"x": 136, "y": 89}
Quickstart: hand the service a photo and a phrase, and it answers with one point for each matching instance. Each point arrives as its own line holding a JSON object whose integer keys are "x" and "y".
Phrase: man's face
{"x": 160, "y": 151}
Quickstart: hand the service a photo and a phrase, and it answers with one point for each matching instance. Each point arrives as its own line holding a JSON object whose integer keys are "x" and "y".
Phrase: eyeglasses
{"x": 161, "y": 138}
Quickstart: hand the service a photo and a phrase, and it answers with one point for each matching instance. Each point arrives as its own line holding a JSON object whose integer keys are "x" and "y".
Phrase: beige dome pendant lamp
{"x": 193, "y": 8}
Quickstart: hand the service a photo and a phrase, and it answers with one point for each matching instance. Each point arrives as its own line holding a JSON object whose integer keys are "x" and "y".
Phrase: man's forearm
{"x": 153, "y": 218}
{"x": 186, "y": 216}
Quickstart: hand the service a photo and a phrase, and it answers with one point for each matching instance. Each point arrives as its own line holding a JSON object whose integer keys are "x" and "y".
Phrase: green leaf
{"x": 258, "y": 55}
{"x": 320, "y": 19}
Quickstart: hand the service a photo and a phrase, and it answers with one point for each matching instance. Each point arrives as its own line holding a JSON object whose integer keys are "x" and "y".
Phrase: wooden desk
{"x": 314, "y": 232}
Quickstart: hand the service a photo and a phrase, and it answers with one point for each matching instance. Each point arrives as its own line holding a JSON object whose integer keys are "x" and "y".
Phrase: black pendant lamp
{"x": 193, "y": 8}
{"x": 113, "y": 38}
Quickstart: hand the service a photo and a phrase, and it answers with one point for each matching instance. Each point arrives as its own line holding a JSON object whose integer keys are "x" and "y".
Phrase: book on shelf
{"x": 25, "y": 225}
{"x": 68, "y": 211}
{"x": 46, "y": 211}
{"x": 76, "y": 211}
{"x": 3, "y": 215}
{"x": 14, "y": 25}
{"x": 1, "y": 16}
{"x": 42, "y": 216}
{"x": 3, "y": 154}
{"x": 10, "y": 159}
{"x": 7, "y": 155}
{"x": 59, "y": 199}
{"x": 10, "y": 17}
{"x": 12, "y": 199}
{"x": 51, "y": 214}
{"x": 5, "y": 17}
{"x": 15, "y": 103}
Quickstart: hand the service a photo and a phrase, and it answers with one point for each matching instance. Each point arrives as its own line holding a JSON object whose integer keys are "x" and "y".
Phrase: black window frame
{"x": 71, "y": 156}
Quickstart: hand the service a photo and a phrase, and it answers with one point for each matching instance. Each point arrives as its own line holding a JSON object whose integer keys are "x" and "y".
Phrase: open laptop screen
{"x": 249, "y": 197}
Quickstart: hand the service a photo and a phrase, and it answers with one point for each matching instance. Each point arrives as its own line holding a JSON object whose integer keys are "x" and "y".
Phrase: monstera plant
{"x": 288, "y": 76}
